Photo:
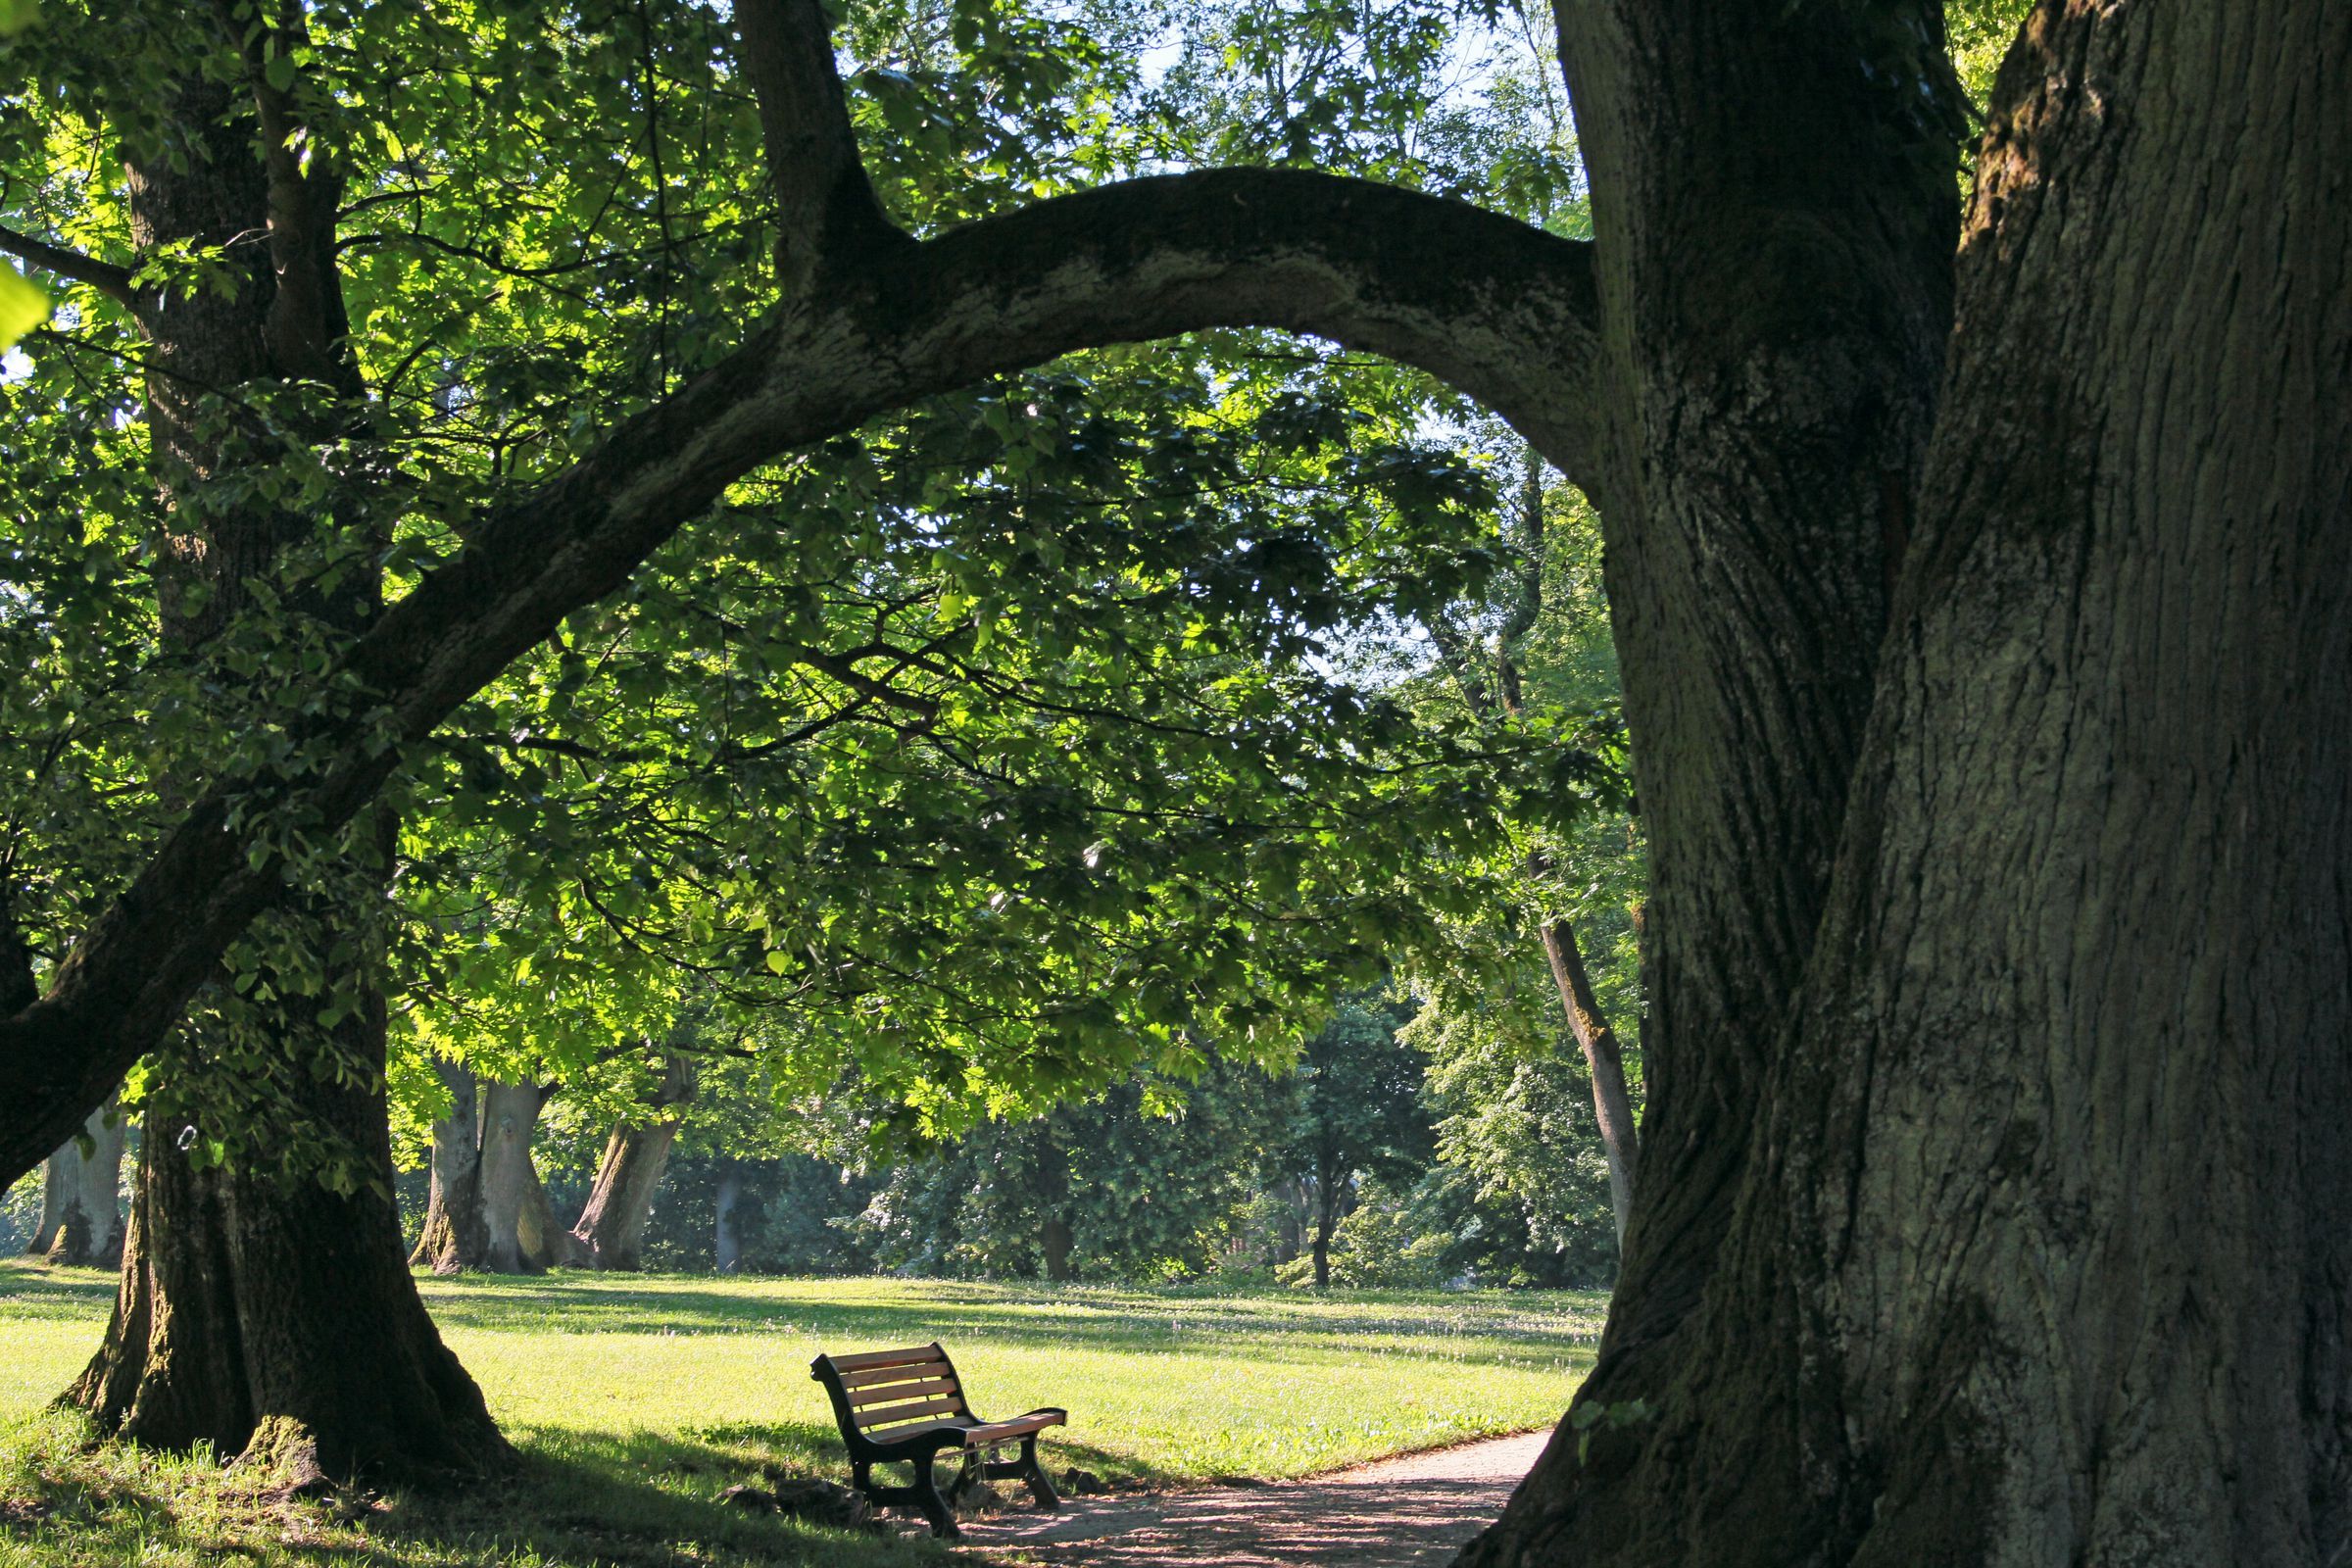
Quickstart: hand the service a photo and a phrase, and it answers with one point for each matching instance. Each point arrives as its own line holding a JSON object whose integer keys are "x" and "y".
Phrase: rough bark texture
{"x": 454, "y": 1237}
{"x": 1613, "y": 1104}
{"x": 612, "y": 1227}
{"x": 276, "y": 1320}
{"x": 2043, "y": 1262}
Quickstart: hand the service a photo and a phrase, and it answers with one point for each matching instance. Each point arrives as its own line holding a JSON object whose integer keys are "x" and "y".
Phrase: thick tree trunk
{"x": 1612, "y": 1106}
{"x": 260, "y": 1310}
{"x": 85, "y": 1193}
{"x": 276, "y": 1321}
{"x": 2046, "y": 1262}
{"x": 612, "y": 1226}
{"x": 1055, "y": 1238}
{"x": 509, "y": 1182}
{"x": 454, "y": 1237}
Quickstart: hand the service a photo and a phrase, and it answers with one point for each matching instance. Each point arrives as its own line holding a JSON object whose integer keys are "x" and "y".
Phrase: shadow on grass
{"x": 636, "y": 1502}
{"x": 1473, "y": 1327}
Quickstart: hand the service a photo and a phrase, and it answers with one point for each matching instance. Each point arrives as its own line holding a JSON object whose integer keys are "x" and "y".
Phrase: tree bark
{"x": 1612, "y": 1106}
{"x": 612, "y": 1227}
{"x": 2043, "y": 1259}
{"x": 275, "y": 1319}
{"x": 454, "y": 1237}
{"x": 509, "y": 1181}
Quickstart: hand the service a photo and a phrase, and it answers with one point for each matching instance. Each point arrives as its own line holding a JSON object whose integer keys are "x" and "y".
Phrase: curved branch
{"x": 1502, "y": 311}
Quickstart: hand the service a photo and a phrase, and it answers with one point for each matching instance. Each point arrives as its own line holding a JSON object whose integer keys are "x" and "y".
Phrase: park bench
{"x": 908, "y": 1406}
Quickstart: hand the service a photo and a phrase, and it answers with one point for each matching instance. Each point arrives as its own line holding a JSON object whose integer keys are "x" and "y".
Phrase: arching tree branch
{"x": 1502, "y": 311}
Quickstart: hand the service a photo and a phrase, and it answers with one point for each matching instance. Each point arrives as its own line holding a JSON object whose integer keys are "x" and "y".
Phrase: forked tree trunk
{"x": 2047, "y": 1261}
{"x": 509, "y": 1181}
{"x": 612, "y": 1227}
{"x": 454, "y": 1237}
{"x": 1612, "y": 1106}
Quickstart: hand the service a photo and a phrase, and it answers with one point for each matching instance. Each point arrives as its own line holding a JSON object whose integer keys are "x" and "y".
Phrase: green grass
{"x": 635, "y": 1403}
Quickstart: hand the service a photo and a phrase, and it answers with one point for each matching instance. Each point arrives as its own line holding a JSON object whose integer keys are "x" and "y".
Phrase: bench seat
{"x": 908, "y": 1406}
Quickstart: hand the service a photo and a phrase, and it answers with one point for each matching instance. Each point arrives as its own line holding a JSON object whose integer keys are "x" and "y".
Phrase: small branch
{"x": 105, "y": 276}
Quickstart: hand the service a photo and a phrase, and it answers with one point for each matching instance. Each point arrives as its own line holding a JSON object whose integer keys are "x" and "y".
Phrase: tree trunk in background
{"x": 86, "y": 1189}
{"x": 726, "y": 1244}
{"x": 454, "y": 1237}
{"x": 509, "y": 1182}
{"x": 613, "y": 1225}
{"x": 2042, "y": 1256}
{"x": 1053, "y": 1236}
{"x": 57, "y": 1194}
{"x": 1327, "y": 1220}
{"x": 1612, "y": 1106}
{"x": 262, "y": 1313}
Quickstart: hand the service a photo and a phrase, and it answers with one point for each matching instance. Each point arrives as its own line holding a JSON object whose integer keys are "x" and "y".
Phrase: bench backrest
{"x": 879, "y": 1393}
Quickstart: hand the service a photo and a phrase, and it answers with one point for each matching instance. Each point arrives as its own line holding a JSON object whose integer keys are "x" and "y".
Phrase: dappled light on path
{"x": 1397, "y": 1513}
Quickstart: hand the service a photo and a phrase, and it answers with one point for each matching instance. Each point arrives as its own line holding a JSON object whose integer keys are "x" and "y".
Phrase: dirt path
{"x": 1413, "y": 1512}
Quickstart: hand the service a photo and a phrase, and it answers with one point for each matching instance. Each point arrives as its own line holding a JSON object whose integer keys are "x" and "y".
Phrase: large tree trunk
{"x": 1612, "y": 1106}
{"x": 2047, "y": 1261}
{"x": 509, "y": 1181}
{"x": 612, "y": 1227}
{"x": 275, "y": 1318}
{"x": 262, "y": 1310}
{"x": 81, "y": 1209}
{"x": 454, "y": 1237}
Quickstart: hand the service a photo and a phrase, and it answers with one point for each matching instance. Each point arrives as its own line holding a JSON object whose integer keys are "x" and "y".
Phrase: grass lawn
{"x": 635, "y": 1403}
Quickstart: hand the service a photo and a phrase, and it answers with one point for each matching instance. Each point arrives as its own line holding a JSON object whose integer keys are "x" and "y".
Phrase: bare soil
{"x": 1410, "y": 1512}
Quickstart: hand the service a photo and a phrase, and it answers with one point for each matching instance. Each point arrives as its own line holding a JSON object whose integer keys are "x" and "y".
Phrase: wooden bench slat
{"x": 865, "y": 1359}
{"x": 875, "y": 1376}
{"x": 869, "y": 1419}
{"x": 1018, "y": 1426}
{"x": 924, "y": 1389}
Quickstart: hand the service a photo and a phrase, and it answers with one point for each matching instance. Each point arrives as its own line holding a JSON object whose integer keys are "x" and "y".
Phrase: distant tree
{"x": 1145, "y": 1181}
{"x": 1354, "y": 1112}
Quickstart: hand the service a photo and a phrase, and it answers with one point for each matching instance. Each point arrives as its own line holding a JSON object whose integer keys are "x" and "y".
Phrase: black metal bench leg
{"x": 935, "y": 1508}
{"x": 1034, "y": 1474}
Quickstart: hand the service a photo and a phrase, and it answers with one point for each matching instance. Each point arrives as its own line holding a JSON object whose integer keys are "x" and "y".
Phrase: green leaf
{"x": 278, "y": 73}
{"x": 18, "y": 14}
{"x": 23, "y": 306}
